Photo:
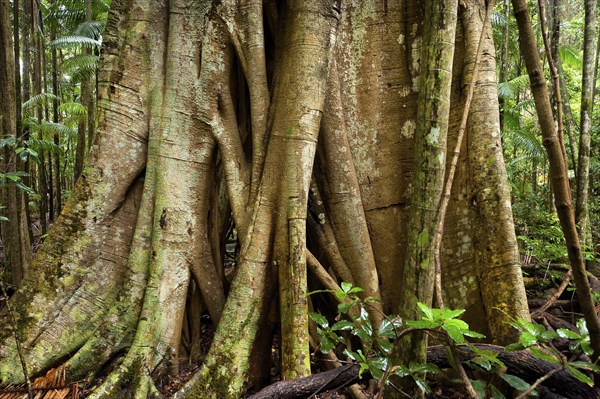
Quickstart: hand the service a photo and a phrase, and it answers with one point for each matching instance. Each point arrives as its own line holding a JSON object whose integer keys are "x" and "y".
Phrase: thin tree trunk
{"x": 37, "y": 83}
{"x": 585, "y": 131}
{"x": 89, "y": 82}
{"x": 558, "y": 172}
{"x": 504, "y": 57}
{"x": 15, "y": 235}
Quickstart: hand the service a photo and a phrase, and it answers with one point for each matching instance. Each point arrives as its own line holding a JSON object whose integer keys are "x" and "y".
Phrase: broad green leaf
{"x": 345, "y": 307}
{"x": 459, "y": 324}
{"x": 451, "y": 314}
{"x": 385, "y": 345}
{"x": 422, "y": 384}
{"x": 422, "y": 324}
{"x": 423, "y": 368}
{"x": 585, "y": 365}
{"x": 479, "y": 386}
{"x": 346, "y": 286}
{"x": 355, "y": 289}
{"x": 568, "y": 334}
{"x": 343, "y": 325}
{"x": 473, "y": 334}
{"x": 541, "y": 354}
{"x": 327, "y": 345}
{"x": 526, "y": 339}
{"x": 515, "y": 382}
{"x": 579, "y": 375}
{"x": 386, "y": 329}
{"x": 483, "y": 363}
{"x": 425, "y": 309}
{"x": 319, "y": 319}
{"x": 454, "y": 333}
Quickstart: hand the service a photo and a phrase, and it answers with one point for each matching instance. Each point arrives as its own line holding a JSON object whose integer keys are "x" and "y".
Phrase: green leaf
{"x": 451, "y": 314}
{"x": 515, "y": 382}
{"x": 454, "y": 333}
{"x": 568, "y": 334}
{"x": 327, "y": 345}
{"x": 355, "y": 289}
{"x": 579, "y": 375}
{"x": 461, "y": 325}
{"x": 319, "y": 319}
{"x": 425, "y": 309}
{"x": 479, "y": 386}
{"x": 473, "y": 334}
{"x": 343, "y": 325}
{"x": 585, "y": 365}
{"x": 377, "y": 367}
{"x": 386, "y": 329}
{"x": 423, "y": 368}
{"x": 346, "y": 286}
{"x": 514, "y": 347}
{"x": 344, "y": 308}
{"x": 385, "y": 345}
{"x": 526, "y": 339}
{"x": 483, "y": 363}
{"x": 422, "y": 324}
{"x": 541, "y": 354}
{"x": 422, "y": 384}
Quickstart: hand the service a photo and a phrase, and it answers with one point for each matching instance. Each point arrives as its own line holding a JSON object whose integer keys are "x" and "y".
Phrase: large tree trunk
{"x": 205, "y": 109}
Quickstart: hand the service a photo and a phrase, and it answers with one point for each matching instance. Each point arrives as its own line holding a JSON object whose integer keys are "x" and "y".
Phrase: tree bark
{"x": 587, "y": 107}
{"x": 430, "y": 163}
{"x": 558, "y": 172}
{"x": 14, "y": 230}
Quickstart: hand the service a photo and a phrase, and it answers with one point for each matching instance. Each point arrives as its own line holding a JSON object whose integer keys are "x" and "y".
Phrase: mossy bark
{"x": 211, "y": 111}
{"x": 429, "y": 170}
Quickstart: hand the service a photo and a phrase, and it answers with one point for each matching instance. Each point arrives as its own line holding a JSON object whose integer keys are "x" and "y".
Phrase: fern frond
{"x": 509, "y": 89}
{"x": 75, "y": 41}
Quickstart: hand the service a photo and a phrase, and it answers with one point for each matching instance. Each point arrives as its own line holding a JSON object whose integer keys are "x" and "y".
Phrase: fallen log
{"x": 308, "y": 386}
{"x": 521, "y": 364}
{"x": 525, "y": 366}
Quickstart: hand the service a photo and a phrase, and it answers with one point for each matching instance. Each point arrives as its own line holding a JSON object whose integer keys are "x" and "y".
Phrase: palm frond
{"x": 80, "y": 62}
{"x": 75, "y": 41}
{"x": 42, "y": 146}
{"x": 498, "y": 19}
{"x": 39, "y": 99}
{"x": 571, "y": 56}
{"x": 91, "y": 29}
{"x": 72, "y": 109}
{"x": 528, "y": 142}
{"x": 509, "y": 89}
{"x": 51, "y": 128}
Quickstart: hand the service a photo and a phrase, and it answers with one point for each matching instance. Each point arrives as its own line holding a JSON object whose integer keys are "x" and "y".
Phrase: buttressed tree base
{"x": 295, "y": 123}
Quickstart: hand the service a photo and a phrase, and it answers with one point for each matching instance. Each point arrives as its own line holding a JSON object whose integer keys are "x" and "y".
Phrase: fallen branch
{"x": 307, "y": 386}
